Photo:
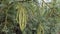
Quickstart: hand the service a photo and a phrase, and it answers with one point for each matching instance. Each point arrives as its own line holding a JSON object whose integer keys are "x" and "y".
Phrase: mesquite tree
{"x": 29, "y": 17}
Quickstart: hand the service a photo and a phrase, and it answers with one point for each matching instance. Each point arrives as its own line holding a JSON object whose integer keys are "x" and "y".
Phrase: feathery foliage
{"x": 29, "y": 17}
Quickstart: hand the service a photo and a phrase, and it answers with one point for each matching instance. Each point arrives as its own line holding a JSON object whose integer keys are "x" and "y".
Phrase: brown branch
{"x": 46, "y": 4}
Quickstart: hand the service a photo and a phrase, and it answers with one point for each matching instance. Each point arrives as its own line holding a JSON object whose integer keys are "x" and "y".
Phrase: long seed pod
{"x": 40, "y": 30}
{"x": 22, "y": 16}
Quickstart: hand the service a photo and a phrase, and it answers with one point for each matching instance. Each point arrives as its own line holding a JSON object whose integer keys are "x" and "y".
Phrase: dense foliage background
{"x": 29, "y": 17}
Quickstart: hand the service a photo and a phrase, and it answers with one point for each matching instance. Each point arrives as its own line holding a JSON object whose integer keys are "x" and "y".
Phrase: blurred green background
{"x": 29, "y": 17}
